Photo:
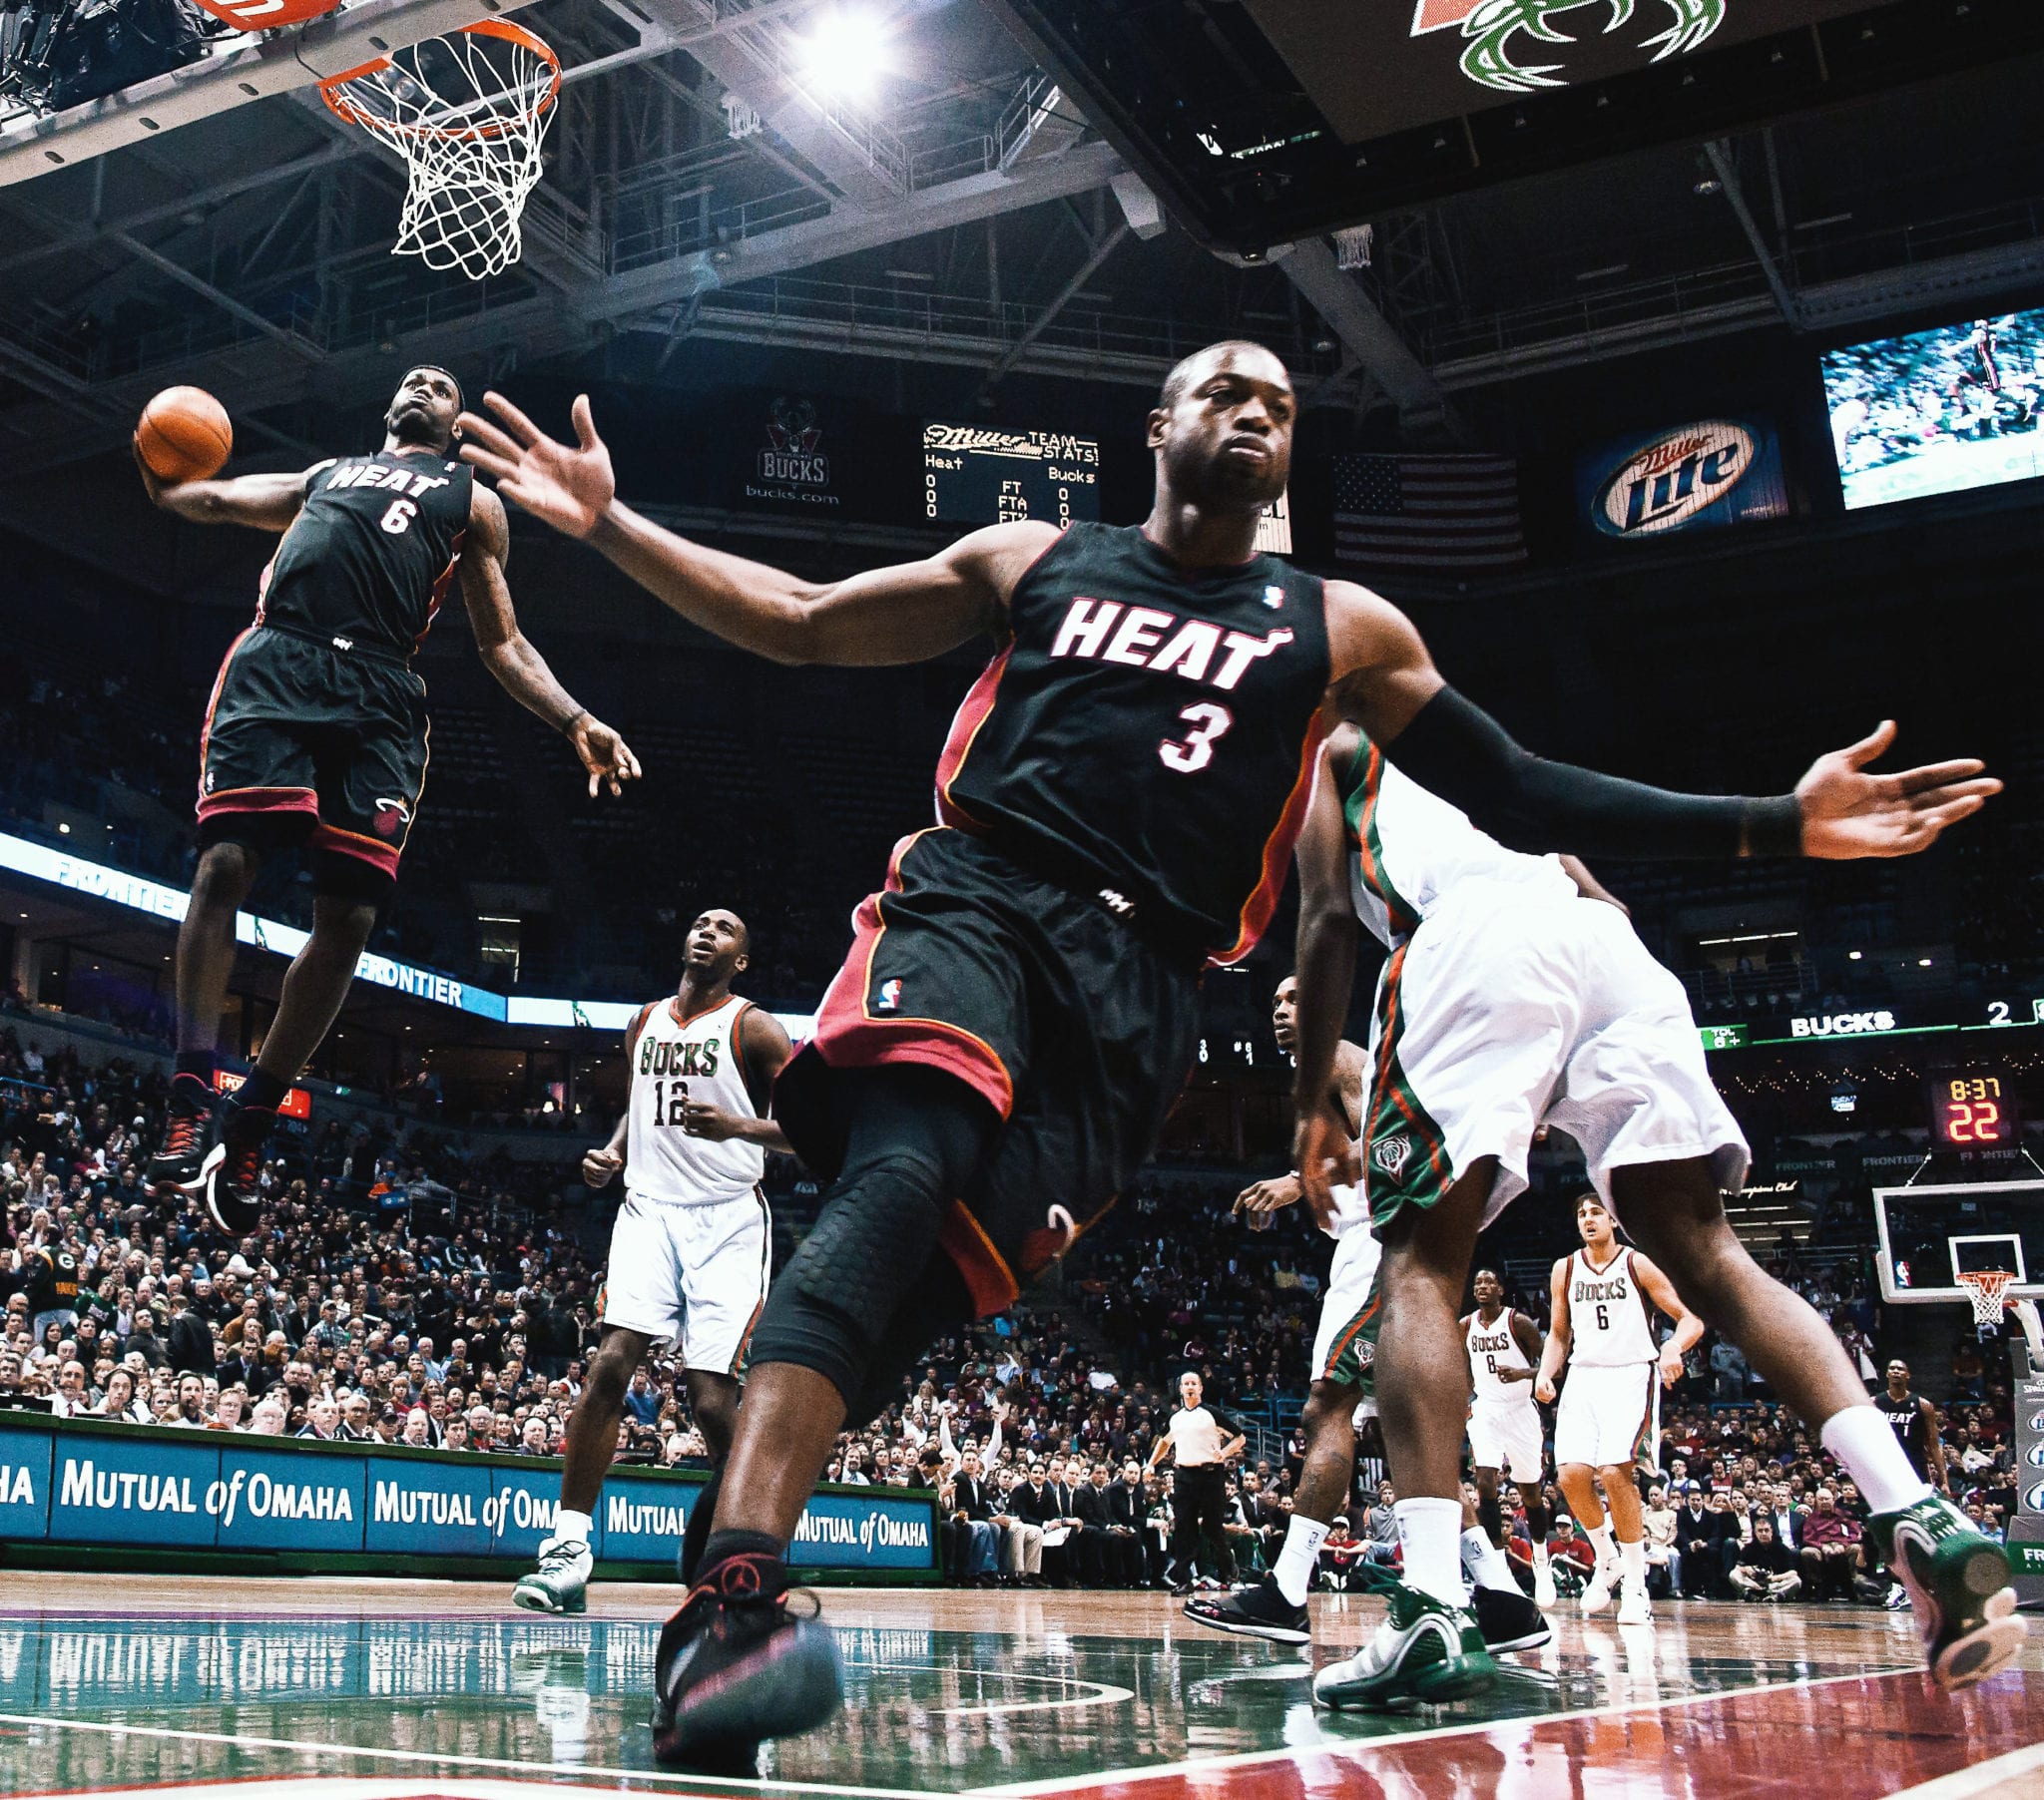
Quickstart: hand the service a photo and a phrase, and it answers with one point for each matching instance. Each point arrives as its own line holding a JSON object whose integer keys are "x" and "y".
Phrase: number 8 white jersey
{"x": 673, "y": 1060}
{"x": 1493, "y": 1348}
{"x": 1608, "y": 1326}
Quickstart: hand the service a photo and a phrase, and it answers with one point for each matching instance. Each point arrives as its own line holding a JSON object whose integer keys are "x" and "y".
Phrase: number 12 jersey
{"x": 675, "y": 1059}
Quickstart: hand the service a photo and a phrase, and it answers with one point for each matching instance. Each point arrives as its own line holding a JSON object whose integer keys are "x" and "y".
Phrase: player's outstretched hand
{"x": 1268, "y": 1196}
{"x": 599, "y": 1166}
{"x": 1847, "y": 812}
{"x": 1325, "y": 1158}
{"x": 152, "y": 483}
{"x": 570, "y": 487}
{"x": 606, "y": 755}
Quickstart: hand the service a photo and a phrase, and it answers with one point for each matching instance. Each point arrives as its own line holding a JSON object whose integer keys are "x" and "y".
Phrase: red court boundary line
{"x": 1207, "y": 1777}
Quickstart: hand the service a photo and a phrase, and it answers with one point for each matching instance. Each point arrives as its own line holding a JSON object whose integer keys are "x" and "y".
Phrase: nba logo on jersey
{"x": 1389, "y": 1154}
{"x": 891, "y": 995}
{"x": 1273, "y": 597}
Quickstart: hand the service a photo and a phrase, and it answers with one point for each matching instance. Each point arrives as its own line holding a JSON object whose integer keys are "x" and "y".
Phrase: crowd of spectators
{"x": 381, "y": 1301}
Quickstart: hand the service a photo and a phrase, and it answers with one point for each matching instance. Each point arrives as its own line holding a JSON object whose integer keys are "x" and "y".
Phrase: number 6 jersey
{"x": 675, "y": 1059}
{"x": 1147, "y": 735}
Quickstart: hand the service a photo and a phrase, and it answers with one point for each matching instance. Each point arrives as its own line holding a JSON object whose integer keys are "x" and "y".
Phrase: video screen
{"x": 1938, "y": 412}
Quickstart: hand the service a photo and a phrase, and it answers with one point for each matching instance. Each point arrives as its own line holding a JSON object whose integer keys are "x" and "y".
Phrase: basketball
{"x": 185, "y": 436}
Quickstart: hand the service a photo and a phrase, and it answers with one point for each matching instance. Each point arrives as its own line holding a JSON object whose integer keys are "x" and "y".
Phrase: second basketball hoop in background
{"x": 468, "y": 112}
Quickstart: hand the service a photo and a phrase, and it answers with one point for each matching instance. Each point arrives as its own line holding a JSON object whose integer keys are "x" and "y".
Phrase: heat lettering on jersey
{"x": 1150, "y": 638}
{"x": 381, "y": 475}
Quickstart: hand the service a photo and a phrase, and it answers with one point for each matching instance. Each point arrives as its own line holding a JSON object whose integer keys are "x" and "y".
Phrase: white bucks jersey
{"x": 1492, "y": 1349}
{"x": 1409, "y": 851}
{"x": 675, "y": 1061}
{"x": 1608, "y": 1314}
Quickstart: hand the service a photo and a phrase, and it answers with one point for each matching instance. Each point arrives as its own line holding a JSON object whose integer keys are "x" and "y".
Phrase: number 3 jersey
{"x": 675, "y": 1059}
{"x": 1147, "y": 734}
{"x": 370, "y": 554}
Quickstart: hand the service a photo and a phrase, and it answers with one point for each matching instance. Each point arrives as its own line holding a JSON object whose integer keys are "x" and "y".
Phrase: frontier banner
{"x": 66, "y": 1482}
{"x": 1714, "y": 472}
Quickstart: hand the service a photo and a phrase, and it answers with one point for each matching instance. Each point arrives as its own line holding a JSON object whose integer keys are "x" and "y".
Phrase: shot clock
{"x": 1973, "y": 1109}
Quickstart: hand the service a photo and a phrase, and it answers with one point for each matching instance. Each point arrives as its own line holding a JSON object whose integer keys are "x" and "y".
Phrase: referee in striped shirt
{"x": 1202, "y": 1443}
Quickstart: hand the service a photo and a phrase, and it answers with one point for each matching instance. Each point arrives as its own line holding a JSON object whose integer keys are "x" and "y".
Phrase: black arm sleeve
{"x": 1457, "y": 750}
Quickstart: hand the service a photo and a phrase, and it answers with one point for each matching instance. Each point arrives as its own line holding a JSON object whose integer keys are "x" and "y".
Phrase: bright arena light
{"x": 844, "y": 52}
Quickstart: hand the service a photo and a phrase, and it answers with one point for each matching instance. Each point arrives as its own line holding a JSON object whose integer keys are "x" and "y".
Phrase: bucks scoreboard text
{"x": 981, "y": 476}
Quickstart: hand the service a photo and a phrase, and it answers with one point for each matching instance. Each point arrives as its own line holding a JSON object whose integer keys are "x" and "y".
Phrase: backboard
{"x": 1930, "y": 1236}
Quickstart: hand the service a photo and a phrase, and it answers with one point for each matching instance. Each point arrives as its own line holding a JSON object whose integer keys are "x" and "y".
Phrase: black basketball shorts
{"x": 307, "y": 743}
{"x": 1077, "y": 1031}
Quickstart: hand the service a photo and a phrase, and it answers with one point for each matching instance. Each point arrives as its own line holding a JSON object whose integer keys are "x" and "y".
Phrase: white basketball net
{"x": 468, "y": 113}
{"x": 1988, "y": 1290}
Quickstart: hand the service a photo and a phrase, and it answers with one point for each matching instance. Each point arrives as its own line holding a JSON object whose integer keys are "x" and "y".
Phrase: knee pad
{"x": 262, "y": 832}
{"x": 838, "y": 1298}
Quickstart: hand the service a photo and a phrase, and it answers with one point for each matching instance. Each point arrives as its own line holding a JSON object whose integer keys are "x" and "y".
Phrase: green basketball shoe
{"x": 1959, "y": 1584}
{"x": 1424, "y": 1650}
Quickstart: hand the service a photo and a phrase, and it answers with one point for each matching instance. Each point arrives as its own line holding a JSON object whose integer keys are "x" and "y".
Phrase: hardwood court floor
{"x": 401, "y": 1690}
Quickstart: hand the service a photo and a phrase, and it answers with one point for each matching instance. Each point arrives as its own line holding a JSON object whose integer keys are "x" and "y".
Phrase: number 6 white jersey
{"x": 1608, "y": 1326}
{"x": 673, "y": 1060}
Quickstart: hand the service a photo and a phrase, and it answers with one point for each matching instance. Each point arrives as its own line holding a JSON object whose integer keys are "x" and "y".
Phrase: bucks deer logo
{"x": 1491, "y": 30}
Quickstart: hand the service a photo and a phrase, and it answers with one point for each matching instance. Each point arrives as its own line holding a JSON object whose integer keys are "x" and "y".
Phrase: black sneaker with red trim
{"x": 181, "y": 1156}
{"x": 733, "y": 1668}
{"x": 233, "y": 1168}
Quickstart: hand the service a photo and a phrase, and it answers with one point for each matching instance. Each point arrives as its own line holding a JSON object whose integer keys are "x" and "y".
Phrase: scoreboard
{"x": 1973, "y": 1109}
{"x": 980, "y": 476}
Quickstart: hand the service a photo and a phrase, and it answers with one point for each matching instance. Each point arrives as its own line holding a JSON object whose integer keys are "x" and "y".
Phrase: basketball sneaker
{"x": 181, "y": 1156}
{"x": 1424, "y": 1650}
{"x": 1259, "y": 1611}
{"x": 1544, "y": 1595}
{"x": 1958, "y": 1587}
{"x": 1597, "y": 1595}
{"x": 1508, "y": 1621}
{"x": 1634, "y": 1608}
{"x": 733, "y": 1669}
{"x": 561, "y": 1581}
{"x": 232, "y": 1175}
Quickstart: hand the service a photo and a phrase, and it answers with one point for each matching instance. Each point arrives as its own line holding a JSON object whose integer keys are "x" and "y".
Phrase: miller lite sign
{"x": 1714, "y": 472}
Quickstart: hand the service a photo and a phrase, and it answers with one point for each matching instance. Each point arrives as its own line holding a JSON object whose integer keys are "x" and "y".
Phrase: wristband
{"x": 1772, "y": 827}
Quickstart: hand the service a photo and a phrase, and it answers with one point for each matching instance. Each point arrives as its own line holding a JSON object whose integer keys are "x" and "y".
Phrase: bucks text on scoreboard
{"x": 978, "y": 475}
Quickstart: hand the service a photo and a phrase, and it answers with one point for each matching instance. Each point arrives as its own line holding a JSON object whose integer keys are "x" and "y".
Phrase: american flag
{"x": 1428, "y": 512}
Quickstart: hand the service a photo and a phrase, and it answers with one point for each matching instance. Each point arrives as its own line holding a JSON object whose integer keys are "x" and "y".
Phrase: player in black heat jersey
{"x": 315, "y": 738}
{"x": 1116, "y": 805}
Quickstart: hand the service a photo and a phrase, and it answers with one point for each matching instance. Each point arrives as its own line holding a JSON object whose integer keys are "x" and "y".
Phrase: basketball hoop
{"x": 467, "y": 112}
{"x": 1988, "y": 1290}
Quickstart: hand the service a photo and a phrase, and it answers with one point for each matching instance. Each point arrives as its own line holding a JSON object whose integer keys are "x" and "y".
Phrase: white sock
{"x": 1294, "y": 1571}
{"x": 1599, "y": 1541}
{"x": 1634, "y": 1557}
{"x": 1430, "y": 1533}
{"x": 1486, "y": 1562}
{"x": 571, "y": 1527}
{"x": 1875, "y": 1458}
{"x": 1540, "y": 1556}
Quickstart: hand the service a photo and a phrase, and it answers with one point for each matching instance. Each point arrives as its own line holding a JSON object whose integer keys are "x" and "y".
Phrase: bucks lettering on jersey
{"x": 1409, "y": 850}
{"x": 1147, "y": 734}
{"x": 675, "y": 1059}
{"x": 1492, "y": 1348}
{"x": 369, "y": 557}
{"x": 1608, "y": 1314}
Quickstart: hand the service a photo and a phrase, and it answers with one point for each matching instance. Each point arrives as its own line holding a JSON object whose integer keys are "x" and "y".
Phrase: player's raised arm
{"x": 903, "y": 614}
{"x": 266, "y": 502}
{"x": 1328, "y": 933}
{"x": 511, "y": 658}
{"x": 1385, "y": 680}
